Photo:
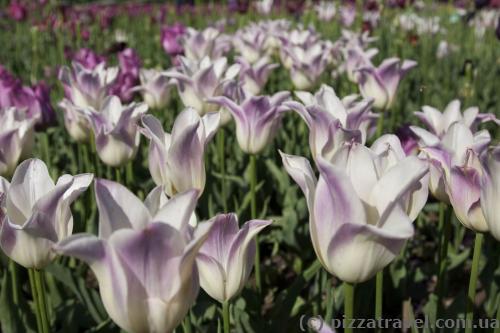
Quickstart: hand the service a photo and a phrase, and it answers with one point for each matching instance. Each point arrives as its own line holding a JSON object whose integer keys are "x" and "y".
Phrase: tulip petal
{"x": 30, "y": 182}
{"x": 490, "y": 192}
{"x": 118, "y": 208}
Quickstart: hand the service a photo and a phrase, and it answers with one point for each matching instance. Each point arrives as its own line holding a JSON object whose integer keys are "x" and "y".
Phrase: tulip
{"x": 356, "y": 58}
{"x": 458, "y": 173}
{"x": 88, "y": 58}
{"x": 85, "y": 87}
{"x": 197, "y": 82}
{"x": 176, "y": 161}
{"x": 170, "y": 36}
{"x": 128, "y": 75}
{"x": 254, "y": 77}
{"x": 115, "y": 130}
{"x": 307, "y": 64}
{"x": 359, "y": 216}
{"x": 264, "y": 7}
{"x": 37, "y": 212}
{"x": 490, "y": 191}
{"x": 226, "y": 258}
{"x": 251, "y": 44}
{"x": 47, "y": 114}
{"x": 382, "y": 83}
{"x": 257, "y": 119}
{"x": 16, "y": 139}
{"x": 347, "y": 15}
{"x": 206, "y": 43}
{"x": 155, "y": 87}
{"x": 144, "y": 263}
{"x": 325, "y": 10}
{"x": 332, "y": 122}
{"x": 438, "y": 123}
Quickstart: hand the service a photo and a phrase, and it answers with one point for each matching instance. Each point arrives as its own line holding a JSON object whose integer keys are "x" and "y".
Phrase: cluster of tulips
{"x": 151, "y": 256}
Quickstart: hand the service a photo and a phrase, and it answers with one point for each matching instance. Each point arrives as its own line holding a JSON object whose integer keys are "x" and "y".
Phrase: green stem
{"x": 129, "y": 174}
{"x": 348, "y": 306}
{"x": 118, "y": 175}
{"x": 253, "y": 214}
{"x": 444, "y": 238}
{"x": 379, "y": 291}
{"x": 187, "y": 323}
{"x": 226, "y": 317}
{"x": 35, "y": 300}
{"x": 329, "y": 301}
{"x": 478, "y": 243}
{"x": 15, "y": 281}
{"x": 42, "y": 301}
{"x": 222, "y": 161}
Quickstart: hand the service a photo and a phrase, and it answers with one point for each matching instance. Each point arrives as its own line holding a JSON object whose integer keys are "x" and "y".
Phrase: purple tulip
{"x": 251, "y": 43}
{"x": 198, "y": 81}
{"x": 358, "y": 215}
{"x": 128, "y": 76}
{"x": 144, "y": 261}
{"x": 490, "y": 190}
{"x": 115, "y": 130}
{"x": 17, "y": 11}
{"x": 347, "y": 15}
{"x": 38, "y": 212}
{"x": 176, "y": 160}
{"x": 48, "y": 115}
{"x": 307, "y": 64}
{"x": 170, "y": 39}
{"x": 226, "y": 258}
{"x": 16, "y": 138}
{"x": 155, "y": 88}
{"x": 205, "y": 43}
{"x": 333, "y": 122}
{"x": 356, "y": 58}
{"x": 438, "y": 123}
{"x": 325, "y": 11}
{"x": 382, "y": 83}
{"x": 257, "y": 119}
{"x": 88, "y": 58}
{"x": 254, "y": 77}
{"x": 84, "y": 89}
{"x": 457, "y": 171}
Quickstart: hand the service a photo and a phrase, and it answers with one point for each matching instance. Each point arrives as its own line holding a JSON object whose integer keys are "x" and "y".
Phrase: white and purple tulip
{"x": 116, "y": 130}
{"x": 333, "y": 122}
{"x": 37, "y": 212}
{"x": 358, "y": 215}
{"x": 176, "y": 160}
{"x": 226, "y": 258}
{"x": 144, "y": 261}
{"x": 382, "y": 83}
{"x": 257, "y": 119}
{"x": 16, "y": 138}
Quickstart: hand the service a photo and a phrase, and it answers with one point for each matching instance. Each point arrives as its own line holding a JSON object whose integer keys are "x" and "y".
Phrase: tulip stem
{"x": 379, "y": 292}
{"x": 329, "y": 299}
{"x": 15, "y": 281}
{"x": 253, "y": 214}
{"x": 225, "y": 316}
{"x": 348, "y": 306}
{"x": 444, "y": 238}
{"x": 478, "y": 243}
{"x": 40, "y": 300}
{"x": 118, "y": 175}
{"x": 35, "y": 300}
{"x": 222, "y": 161}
